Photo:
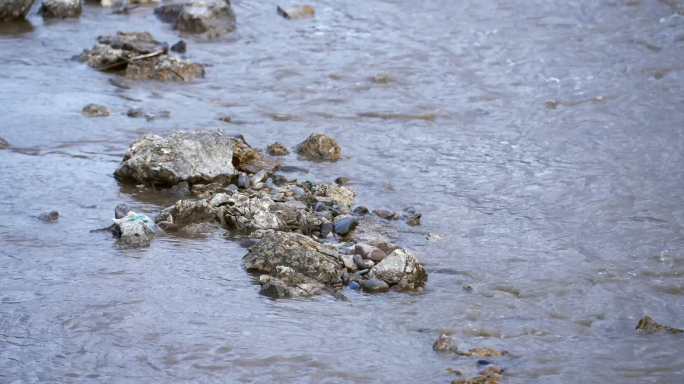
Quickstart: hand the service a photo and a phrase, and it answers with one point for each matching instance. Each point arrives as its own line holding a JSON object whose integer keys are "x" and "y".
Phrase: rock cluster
{"x": 139, "y": 56}
{"x": 648, "y": 325}
{"x": 209, "y": 17}
{"x": 14, "y": 9}
{"x": 490, "y": 372}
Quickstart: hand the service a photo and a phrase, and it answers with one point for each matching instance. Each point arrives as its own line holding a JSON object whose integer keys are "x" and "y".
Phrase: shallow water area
{"x": 541, "y": 140}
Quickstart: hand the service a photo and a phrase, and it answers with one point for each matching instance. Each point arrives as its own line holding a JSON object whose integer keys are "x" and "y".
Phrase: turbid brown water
{"x": 542, "y": 140}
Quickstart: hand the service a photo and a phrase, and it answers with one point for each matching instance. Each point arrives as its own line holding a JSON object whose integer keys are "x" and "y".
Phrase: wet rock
{"x": 401, "y": 268}
{"x": 490, "y": 370}
{"x": 373, "y": 285}
{"x": 383, "y": 245}
{"x": 94, "y": 110}
{"x": 205, "y": 190}
{"x": 296, "y": 12}
{"x": 361, "y": 210}
{"x": 318, "y": 146}
{"x": 456, "y": 372}
{"x": 277, "y": 149}
{"x": 381, "y": 78}
{"x": 301, "y": 253}
{"x": 140, "y": 57}
{"x": 135, "y": 113}
{"x": 179, "y": 47}
{"x": 121, "y": 210}
{"x": 180, "y": 189}
{"x": 339, "y": 195}
{"x": 158, "y": 115}
{"x": 243, "y": 181}
{"x": 200, "y": 228}
{"x": 414, "y": 220}
{"x": 60, "y": 8}
{"x": 483, "y": 352}
{"x": 168, "y": 227}
{"x": 14, "y": 9}
{"x": 342, "y": 180}
{"x": 479, "y": 380}
{"x": 248, "y": 243}
{"x": 648, "y": 325}
{"x": 445, "y": 344}
{"x": 250, "y": 160}
{"x": 211, "y": 17}
{"x": 431, "y": 237}
{"x": 383, "y": 214}
{"x": 326, "y": 229}
{"x": 370, "y": 252}
{"x": 362, "y": 263}
{"x": 288, "y": 284}
{"x": 4, "y": 143}
{"x": 186, "y": 212}
{"x": 354, "y": 285}
{"x": 225, "y": 119}
{"x": 259, "y": 177}
{"x": 194, "y": 157}
{"x": 49, "y": 216}
{"x": 134, "y": 234}
{"x": 345, "y": 225}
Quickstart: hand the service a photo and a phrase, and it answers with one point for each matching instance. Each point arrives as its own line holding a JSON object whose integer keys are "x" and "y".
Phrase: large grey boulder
{"x": 195, "y": 157}
{"x": 14, "y": 9}
{"x": 400, "y": 268}
{"x": 211, "y": 17}
{"x": 305, "y": 256}
{"x": 60, "y": 8}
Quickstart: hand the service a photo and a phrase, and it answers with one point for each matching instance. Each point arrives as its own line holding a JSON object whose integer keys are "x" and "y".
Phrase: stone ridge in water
{"x": 195, "y": 157}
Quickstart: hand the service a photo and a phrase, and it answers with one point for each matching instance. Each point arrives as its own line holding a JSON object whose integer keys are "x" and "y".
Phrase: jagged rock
{"x": 493, "y": 379}
{"x": 94, "y": 110}
{"x": 400, "y": 268}
{"x": 342, "y": 196}
{"x": 296, "y": 12}
{"x": 180, "y": 47}
{"x": 277, "y": 149}
{"x": 134, "y": 234}
{"x": 186, "y": 212}
{"x": 60, "y": 8}
{"x": 249, "y": 160}
{"x": 180, "y": 189}
{"x": 49, "y": 216}
{"x": 301, "y": 253}
{"x": 4, "y": 143}
{"x": 210, "y": 17}
{"x": 648, "y": 325}
{"x": 195, "y": 157}
{"x": 121, "y": 210}
{"x": 288, "y": 283}
{"x": 141, "y": 57}
{"x": 14, "y": 9}
{"x": 248, "y": 215}
{"x": 445, "y": 344}
{"x": 318, "y": 146}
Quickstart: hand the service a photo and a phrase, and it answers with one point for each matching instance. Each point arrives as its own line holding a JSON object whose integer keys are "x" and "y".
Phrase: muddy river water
{"x": 541, "y": 139}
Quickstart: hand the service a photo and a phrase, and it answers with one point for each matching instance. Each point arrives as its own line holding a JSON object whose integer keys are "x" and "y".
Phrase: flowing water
{"x": 542, "y": 140}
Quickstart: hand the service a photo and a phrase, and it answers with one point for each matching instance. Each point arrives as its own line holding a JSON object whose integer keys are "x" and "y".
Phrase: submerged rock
{"x": 318, "y": 146}
{"x": 373, "y": 285}
{"x": 140, "y": 57}
{"x": 4, "y": 143}
{"x": 483, "y": 352}
{"x": 179, "y": 47}
{"x": 288, "y": 283}
{"x": 134, "y": 230}
{"x": 277, "y": 149}
{"x": 194, "y": 157}
{"x": 210, "y": 17}
{"x": 445, "y": 344}
{"x": 296, "y": 12}
{"x": 180, "y": 189}
{"x": 648, "y": 325}
{"x": 14, "y": 9}
{"x": 302, "y": 254}
{"x": 60, "y": 8}
{"x": 135, "y": 113}
{"x": 95, "y": 110}
{"x": 400, "y": 268}
{"x": 49, "y": 216}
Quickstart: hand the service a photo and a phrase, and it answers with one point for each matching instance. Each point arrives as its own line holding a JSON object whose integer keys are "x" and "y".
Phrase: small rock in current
{"x": 179, "y": 47}
{"x": 445, "y": 344}
{"x": 373, "y": 285}
{"x": 483, "y": 352}
{"x": 94, "y": 110}
{"x": 4, "y": 143}
{"x": 361, "y": 210}
{"x": 345, "y": 225}
{"x": 49, "y": 216}
{"x": 648, "y": 325}
{"x": 326, "y": 229}
{"x": 225, "y": 119}
{"x": 383, "y": 214}
{"x": 414, "y": 220}
{"x": 490, "y": 370}
{"x": 135, "y": 113}
{"x": 342, "y": 181}
{"x": 296, "y": 12}
{"x": 354, "y": 285}
{"x": 121, "y": 210}
{"x": 318, "y": 146}
{"x": 243, "y": 181}
{"x": 277, "y": 149}
{"x": 432, "y": 237}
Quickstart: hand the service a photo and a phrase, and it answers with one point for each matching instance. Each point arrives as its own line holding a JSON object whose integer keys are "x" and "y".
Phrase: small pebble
{"x": 135, "y": 113}
{"x": 233, "y": 187}
{"x": 361, "y": 210}
{"x": 467, "y": 288}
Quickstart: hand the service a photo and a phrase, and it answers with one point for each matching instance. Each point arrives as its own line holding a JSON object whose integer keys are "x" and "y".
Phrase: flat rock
{"x": 318, "y": 146}
{"x": 299, "y": 252}
{"x": 14, "y": 9}
{"x": 95, "y": 110}
{"x": 60, "y": 8}
{"x": 296, "y": 12}
{"x": 648, "y": 325}
{"x": 194, "y": 157}
{"x": 165, "y": 68}
{"x": 373, "y": 285}
{"x": 401, "y": 268}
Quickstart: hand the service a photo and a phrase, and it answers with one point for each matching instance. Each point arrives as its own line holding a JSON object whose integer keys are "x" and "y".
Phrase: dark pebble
{"x": 319, "y": 207}
{"x": 383, "y": 214}
{"x": 135, "y": 113}
{"x": 363, "y": 272}
{"x": 483, "y": 362}
{"x": 361, "y": 210}
{"x": 290, "y": 168}
{"x": 225, "y": 119}
{"x": 180, "y": 189}
{"x": 326, "y": 228}
{"x": 179, "y": 47}
{"x": 49, "y": 216}
{"x": 467, "y": 288}
{"x": 121, "y": 210}
{"x": 414, "y": 220}
{"x": 345, "y": 278}
{"x": 168, "y": 227}
{"x": 342, "y": 180}
{"x": 243, "y": 181}
{"x": 279, "y": 180}
{"x": 374, "y": 285}
{"x": 345, "y": 225}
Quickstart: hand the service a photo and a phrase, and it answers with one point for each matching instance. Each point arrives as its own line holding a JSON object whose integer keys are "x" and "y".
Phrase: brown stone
{"x": 296, "y": 12}
{"x": 483, "y": 352}
{"x": 318, "y": 146}
{"x": 648, "y": 325}
{"x": 445, "y": 344}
